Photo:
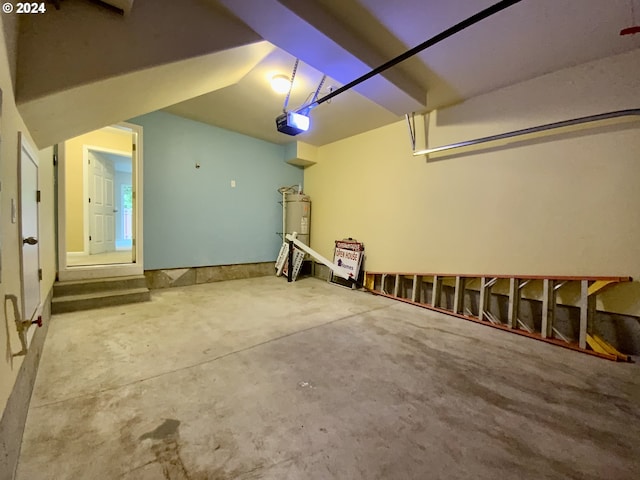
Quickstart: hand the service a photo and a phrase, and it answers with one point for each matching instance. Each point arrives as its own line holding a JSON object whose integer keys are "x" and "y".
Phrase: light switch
{"x": 233, "y": 184}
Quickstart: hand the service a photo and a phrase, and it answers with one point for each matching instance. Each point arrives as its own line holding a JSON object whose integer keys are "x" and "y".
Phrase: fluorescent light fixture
{"x": 292, "y": 123}
{"x": 280, "y": 84}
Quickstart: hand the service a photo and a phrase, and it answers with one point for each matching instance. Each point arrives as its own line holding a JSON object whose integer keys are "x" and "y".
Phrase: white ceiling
{"x": 346, "y": 38}
{"x": 250, "y": 106}
{"x": 215, "y": 58}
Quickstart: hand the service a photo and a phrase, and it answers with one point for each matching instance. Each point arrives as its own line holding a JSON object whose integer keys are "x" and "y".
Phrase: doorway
{"x": 100, "y": 203}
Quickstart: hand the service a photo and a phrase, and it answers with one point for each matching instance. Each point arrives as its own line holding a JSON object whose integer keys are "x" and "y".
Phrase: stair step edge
{"x": 102, "y": 294}
{"x": 98, "y": 280}
{"x": 97, "y": 286}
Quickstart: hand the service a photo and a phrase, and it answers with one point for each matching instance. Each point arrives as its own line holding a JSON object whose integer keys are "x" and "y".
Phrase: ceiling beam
{"x": 286, "y": 29}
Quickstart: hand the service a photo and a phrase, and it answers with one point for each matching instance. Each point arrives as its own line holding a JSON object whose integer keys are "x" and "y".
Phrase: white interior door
{"x": 102, "y": 236}
{"x": 30, "y": 257}
{"x": 109, "y": 206}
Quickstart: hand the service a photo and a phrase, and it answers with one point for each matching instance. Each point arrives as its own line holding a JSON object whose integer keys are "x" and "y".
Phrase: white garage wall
{"x": 558, "y": 205}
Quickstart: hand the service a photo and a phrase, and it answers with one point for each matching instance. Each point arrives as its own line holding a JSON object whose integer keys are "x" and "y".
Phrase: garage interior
{"x": 258, "y": 378}
{"x": 485, "y": 153}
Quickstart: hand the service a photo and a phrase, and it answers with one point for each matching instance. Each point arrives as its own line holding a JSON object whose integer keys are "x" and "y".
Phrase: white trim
{"x": 85, "y": 201}
{"x": 137, "y": 183}
{"x": 62, "y": 210}
{"x": 113, "y": 151}
{"x": 118, "y": 128}
{"x": 24, "y": 143}
{"x": 75, "y": 254}
{"x": 66, "y": 272}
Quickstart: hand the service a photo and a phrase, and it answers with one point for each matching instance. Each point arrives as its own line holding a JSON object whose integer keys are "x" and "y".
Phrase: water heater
{"x": 297, "y": 215}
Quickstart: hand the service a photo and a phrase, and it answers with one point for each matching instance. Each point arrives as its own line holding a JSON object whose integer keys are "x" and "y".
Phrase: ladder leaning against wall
{"x": 427, "y": 290}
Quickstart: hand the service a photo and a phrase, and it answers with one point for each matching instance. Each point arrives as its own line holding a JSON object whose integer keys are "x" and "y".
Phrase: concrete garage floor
{"x": 260, "y": 379}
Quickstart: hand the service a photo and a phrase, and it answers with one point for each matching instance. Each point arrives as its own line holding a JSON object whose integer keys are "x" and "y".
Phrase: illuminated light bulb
{"x": 280, "y": 84}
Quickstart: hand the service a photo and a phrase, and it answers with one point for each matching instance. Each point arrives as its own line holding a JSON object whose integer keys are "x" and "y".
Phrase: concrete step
{"x": 108, "y": 298}
{"x": 79, "y": 287}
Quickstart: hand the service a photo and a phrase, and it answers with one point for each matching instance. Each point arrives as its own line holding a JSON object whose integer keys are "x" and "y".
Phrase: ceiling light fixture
{"x": 280, "y": 84}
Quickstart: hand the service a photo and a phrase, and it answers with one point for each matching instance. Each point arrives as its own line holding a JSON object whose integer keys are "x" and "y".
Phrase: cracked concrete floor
{"x": 260, "y": 379}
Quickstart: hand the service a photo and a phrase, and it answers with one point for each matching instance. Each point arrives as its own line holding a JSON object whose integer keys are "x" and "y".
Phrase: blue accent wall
{"x": 192, "y": 216}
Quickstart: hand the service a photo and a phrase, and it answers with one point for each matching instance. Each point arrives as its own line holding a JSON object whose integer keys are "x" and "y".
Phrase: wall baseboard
{"x": 15, "y": 413}
{"x": 182, "y": 277}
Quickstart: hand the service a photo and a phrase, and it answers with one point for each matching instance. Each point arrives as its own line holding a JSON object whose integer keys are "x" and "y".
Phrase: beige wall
{"x": 74, "y": 178}
{"x": 10, "y": 124}
{"x": 564, "y": 204}
{"x": 153, "y": 34}
{"x": 163, "y": 44}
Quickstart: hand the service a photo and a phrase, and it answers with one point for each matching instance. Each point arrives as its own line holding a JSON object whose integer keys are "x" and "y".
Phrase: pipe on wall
{"x": 635, "y": 112}
{"x": 21, "y": 325}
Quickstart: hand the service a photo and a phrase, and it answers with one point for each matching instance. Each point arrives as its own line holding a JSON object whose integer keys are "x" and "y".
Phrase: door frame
{"x": 24, "y": 144}
{"x": 81, "y": 272}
